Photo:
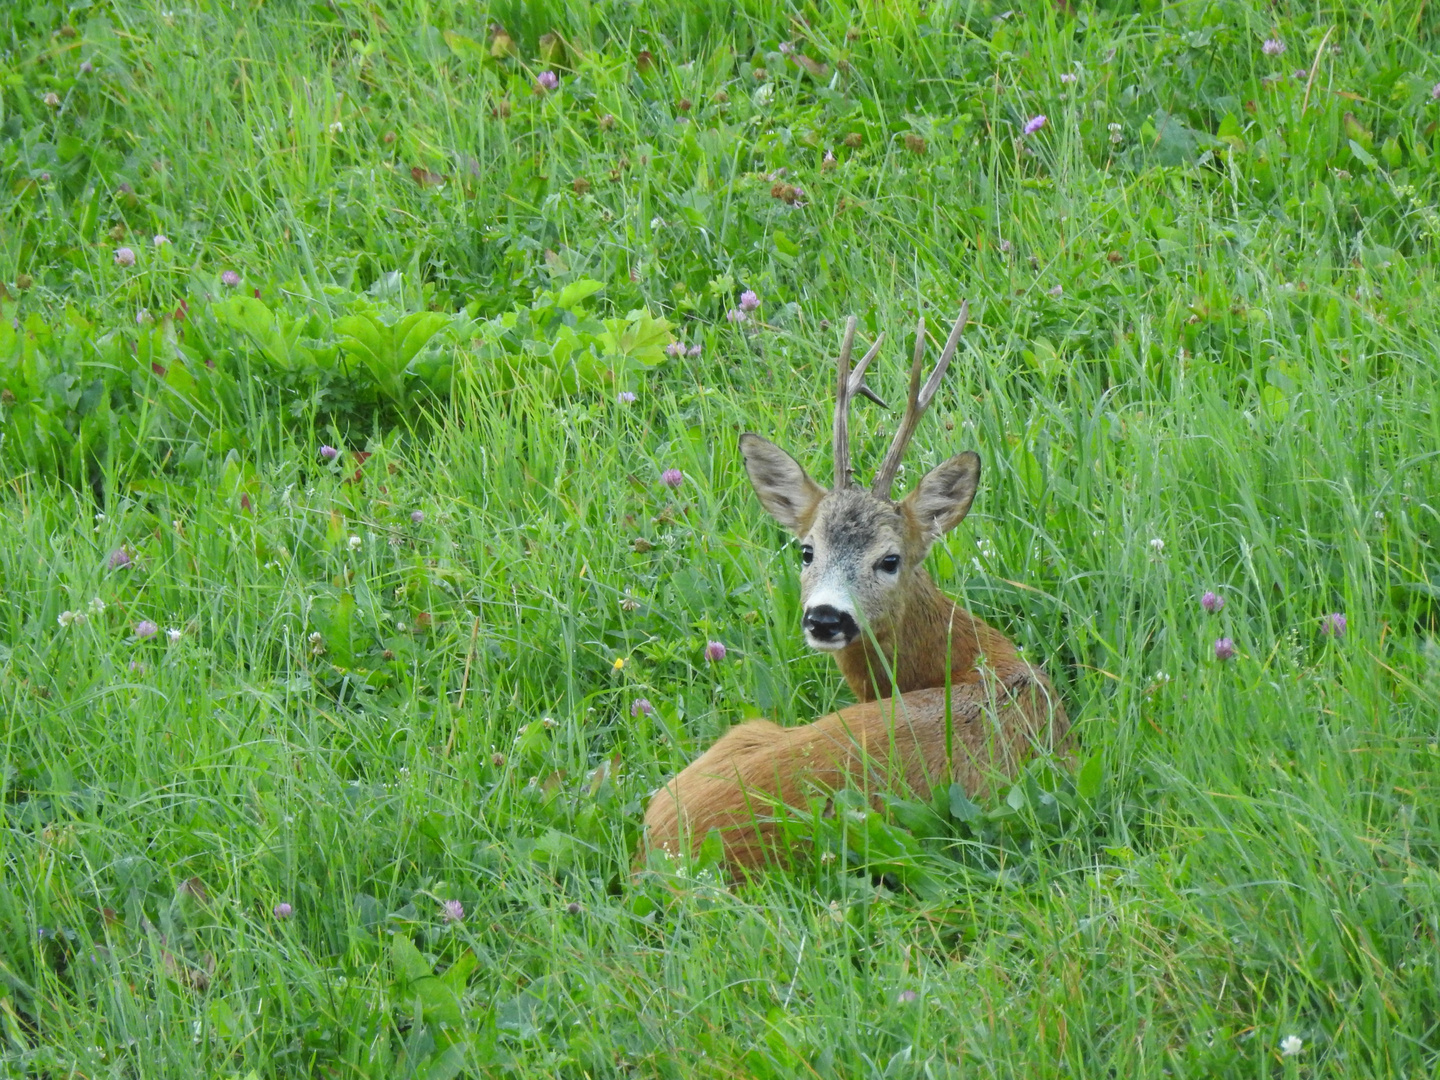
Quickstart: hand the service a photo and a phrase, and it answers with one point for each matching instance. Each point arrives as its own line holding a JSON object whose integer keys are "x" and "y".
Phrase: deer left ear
{"x": 944, "y": 494}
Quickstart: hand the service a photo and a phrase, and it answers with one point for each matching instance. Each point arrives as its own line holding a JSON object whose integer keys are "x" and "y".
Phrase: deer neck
{"x": 930, "y": 639}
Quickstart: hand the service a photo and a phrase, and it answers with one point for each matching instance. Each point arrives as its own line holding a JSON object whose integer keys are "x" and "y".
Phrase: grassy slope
{"x": 1238, "y": 363}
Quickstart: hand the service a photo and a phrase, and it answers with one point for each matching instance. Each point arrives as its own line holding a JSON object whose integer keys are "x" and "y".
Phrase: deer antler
{"x": 920, "y": 399}
{"x": 850, "y": 384}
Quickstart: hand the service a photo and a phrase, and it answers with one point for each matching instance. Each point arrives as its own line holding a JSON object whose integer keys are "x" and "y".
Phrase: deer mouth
{"x": 828, "y": 628}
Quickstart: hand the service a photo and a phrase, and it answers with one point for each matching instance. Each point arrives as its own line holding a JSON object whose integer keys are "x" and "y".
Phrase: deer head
{"x": 862, "y": 553}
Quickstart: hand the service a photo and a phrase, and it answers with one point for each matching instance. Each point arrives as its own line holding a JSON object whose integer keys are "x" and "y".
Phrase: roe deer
{"x": 898, "y": 640}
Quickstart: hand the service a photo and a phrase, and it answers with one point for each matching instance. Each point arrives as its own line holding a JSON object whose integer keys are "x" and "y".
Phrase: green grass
{"x": 1202, "y": 358}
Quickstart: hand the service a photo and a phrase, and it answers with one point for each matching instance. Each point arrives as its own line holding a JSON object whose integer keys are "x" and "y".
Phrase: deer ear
{"x": 945, "y": 493}
{"x": 784, "y": 489}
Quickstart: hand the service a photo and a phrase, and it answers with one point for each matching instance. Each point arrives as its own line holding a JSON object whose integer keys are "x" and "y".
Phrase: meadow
{"x": 349, "y": 613}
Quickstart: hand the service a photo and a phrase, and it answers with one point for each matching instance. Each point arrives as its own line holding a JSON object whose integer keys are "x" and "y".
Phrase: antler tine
{"x": 850, "y": 383}
{"x": 919, "y": 400}
{"x": 842, "y": 407}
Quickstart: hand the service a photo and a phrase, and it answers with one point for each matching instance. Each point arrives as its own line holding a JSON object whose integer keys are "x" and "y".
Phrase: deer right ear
{"x": 784, "y": 489}
{"x": 945, "y": 493}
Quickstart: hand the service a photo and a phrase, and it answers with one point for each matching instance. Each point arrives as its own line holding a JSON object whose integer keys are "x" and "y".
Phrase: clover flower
{"x": 1333, "y": 625}
{"x": 146, "y": 628}
{"x": 124, "y": 256}
{"x": 641, "y": 706}
{"x": 417, "y": 516}
{"x": 748, "y": 300}
{"x": 1034, "y": 124}
{"x": 329, "y": 453}
{"x": 672, "y": 478}
{"x": 282, "y": 911}
{"x": 1291, "y": 1045}
{"x": 547, "y": 81}
{"x": 714, "y": 651}
{"x": 1273, "y": 47}
{"x": 625, "y": 397}
{"x": 1224, "y": 649}
{"x": 1212, "y": 602}
{"x": 230, "y": 279}
{"x": 453, "y": 910}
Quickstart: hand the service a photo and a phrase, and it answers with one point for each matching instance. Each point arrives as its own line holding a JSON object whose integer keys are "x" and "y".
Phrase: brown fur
{"x": 743, "y": 783}
{"x": 1000, "y": 713}
{"x": 913, "y": 639}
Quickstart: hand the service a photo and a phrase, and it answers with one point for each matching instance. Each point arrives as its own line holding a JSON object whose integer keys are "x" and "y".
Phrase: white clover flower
{"x": 96, "y": 606}
{"x": 1291, "y": 1045}
{"x": 355, "y": 543}
{"x": 1157, "y": 545}
{"x": 173, "y": 635}
{"x": 66, "y": 618}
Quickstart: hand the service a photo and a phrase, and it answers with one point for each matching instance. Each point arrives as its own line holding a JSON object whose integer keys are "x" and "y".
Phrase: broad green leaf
{"x": 414, "y": 332}
{"x": 409, "y": 965}
{"x": 577, "y": 292}
{"x": 1089, "y": 778}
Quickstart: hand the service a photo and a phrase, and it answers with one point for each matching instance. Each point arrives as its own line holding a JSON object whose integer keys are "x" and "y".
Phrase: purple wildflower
{"x": 1333, "y": 625}
{"x": 907, "y": 996}
{"x": 1435, "y": 92}
{"x": 417, "y": 516}
{"x": 230, "y": 279}
{"x": 1034, "y": 124}
{"x": 1301, "y": 74}
{"x": 693, "y": 350}
{"x": 282, "y": 910}
{"x": 675, "y": 348}
{"x": 748, "y": 300}
{"x": 329, "y": 453}
{"x": 124, "y": 256}
{"x": 120, "y": 559}
{"x": 548, "y": 81}
{"x": 145, "y": 628}
{"x": 1212, "y": 602}
{"x": 1224, "y": 649}
{"x": 672, "y": 478}
{"x": 161, "y": 240}
{"x": 1273, "y": 47}
{"x": 714, "y": 651}
{"x": 454, "y": 911}
{"x": 1057, "y": 291}
{"x": 86, "y": 67}
{"x": 735, "y": 315}
{"x": 641, "y": 706}
{"x": 625, "y": 397}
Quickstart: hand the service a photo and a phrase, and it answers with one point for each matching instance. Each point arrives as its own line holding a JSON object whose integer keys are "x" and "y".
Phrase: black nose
{"x": 825, "y": 623}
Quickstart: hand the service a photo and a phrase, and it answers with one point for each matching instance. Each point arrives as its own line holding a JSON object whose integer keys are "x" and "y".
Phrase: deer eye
{"x": 807, "y": 555}
{"x": 890, "y": 564}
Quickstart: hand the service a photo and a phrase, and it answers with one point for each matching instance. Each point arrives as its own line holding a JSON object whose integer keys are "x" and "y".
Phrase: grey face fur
{"x": 859, "y": 553}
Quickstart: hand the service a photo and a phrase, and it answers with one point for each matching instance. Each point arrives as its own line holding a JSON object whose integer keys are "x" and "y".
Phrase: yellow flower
{"x": 619, "y": 663}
